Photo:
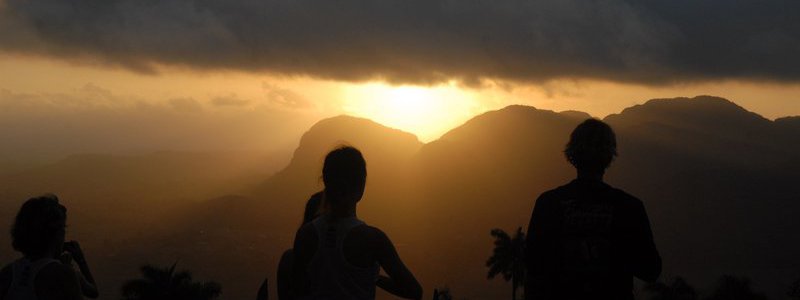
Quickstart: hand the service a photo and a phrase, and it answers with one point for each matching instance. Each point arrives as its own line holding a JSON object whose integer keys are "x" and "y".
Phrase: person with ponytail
{"x": 337, "y": 255}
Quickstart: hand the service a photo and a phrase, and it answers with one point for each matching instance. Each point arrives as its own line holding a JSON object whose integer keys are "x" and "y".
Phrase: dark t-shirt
{"x": 586, "y": 240}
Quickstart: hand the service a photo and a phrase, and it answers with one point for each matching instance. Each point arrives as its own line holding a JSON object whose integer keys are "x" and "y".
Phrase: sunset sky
{"x": 124, "y": 75}
{"x": 173, "y": 130}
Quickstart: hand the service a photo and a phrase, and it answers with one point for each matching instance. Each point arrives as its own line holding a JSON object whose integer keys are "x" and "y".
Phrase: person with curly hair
{"x": 45, "y": 270}
{"x": 586, "y": 239}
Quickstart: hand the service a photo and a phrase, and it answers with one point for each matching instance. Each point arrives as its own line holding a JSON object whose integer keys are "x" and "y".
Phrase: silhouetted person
{"x": 337, "y": 256}
{"x": 586, "y": 239}
{"x": 45, "y": 271}
{"x": 287, "y": 259}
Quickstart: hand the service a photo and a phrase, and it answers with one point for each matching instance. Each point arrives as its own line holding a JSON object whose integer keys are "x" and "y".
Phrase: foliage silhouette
{"x": 677, "y": 289}
{"x": 733, "y": 288}
{"x": 443, "y": 294}
{"x": 508, "y": 258}
{"x": 167, "y": 284}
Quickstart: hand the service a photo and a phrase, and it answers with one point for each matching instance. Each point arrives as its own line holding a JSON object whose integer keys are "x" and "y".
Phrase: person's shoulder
{"x": 624, "y": 197}
{"x": 370, "y": 232}
{"x": 5, "y": 275}
{"x": 376, "y": 237}
{"x": 370, "y": 235}
{"x": 287, "y": 255}
{"x": 287, "y": 260}
{"x": 306, "y": 229}
{"x": 554, "y": 194}
{"x": 57, "y": 274}
{"x": 306, "y": 235}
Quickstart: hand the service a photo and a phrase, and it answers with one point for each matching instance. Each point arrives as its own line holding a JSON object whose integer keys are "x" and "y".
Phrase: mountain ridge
{"x": 689, "y": 159}
{"x": 718, "y": 195}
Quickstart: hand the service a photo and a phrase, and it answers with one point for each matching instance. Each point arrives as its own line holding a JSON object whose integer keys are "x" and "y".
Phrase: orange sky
{"x": 427, "y": 111}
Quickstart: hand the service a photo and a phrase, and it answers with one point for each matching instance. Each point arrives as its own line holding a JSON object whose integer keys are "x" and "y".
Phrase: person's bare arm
{"x": 305, "y": 244}
{"x": 88, "y": 285}
{"x": 401, "y": 281}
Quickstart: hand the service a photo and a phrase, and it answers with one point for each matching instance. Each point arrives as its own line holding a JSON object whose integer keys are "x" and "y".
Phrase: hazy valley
{"x": 719, "y": 183}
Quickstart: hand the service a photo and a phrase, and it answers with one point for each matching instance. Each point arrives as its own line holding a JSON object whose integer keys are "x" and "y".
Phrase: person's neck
{"x": 348, "y": 211}
{"x": 590, "y": 175}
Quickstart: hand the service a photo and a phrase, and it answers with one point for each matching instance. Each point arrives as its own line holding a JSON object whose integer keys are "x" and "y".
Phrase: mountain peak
{"x": 344, "y": 129}
{"x": 575, "y": 114}
{"x": 702, "y": 103}
{"x": 688, "y": 111}
{"x": 343, "y": 121}
{"x": 373, "y": 139}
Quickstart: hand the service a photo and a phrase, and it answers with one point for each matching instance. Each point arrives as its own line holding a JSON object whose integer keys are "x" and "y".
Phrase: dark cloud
{"x": 420, "y": 41}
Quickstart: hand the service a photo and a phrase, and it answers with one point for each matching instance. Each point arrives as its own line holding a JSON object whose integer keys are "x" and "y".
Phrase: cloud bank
{"x": 92, "y": 119}
{"x": 648, "y": 42}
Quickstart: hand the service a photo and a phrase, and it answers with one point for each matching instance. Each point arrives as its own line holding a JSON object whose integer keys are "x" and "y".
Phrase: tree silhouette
{"x": 733, "y": 288}
{"x": 794, "y": 290}
{"x": 166, "y": 284}
{"x": 677, "y": 289}
{"x": 508, "y": 258}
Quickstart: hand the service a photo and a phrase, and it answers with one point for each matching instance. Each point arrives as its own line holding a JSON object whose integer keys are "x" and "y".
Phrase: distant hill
{"x": 789, "y": 123}
{"x": 387, "y": 151}
{"x": 249, "y": 232}
{"x": 719, "y": 183}
{"x": 704, "y": 167}
{"x": 720, "y": 186}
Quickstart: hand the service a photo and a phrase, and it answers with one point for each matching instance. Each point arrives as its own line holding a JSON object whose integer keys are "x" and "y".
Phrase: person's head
{"x": 592, "y": 146}
{"x": 40, "y": 226}
{"x": 312, "y": 207}
{"x": 345, "y": 175}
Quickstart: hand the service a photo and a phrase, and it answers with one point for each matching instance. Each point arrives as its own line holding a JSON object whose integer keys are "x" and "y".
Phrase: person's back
{"x": 40, "y": 279}
{"x": 586, "y": 239}
{"x": 343, "y": 266}
{"x": 338, "y": 256}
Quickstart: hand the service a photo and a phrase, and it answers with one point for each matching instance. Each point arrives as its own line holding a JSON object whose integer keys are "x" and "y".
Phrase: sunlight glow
{"x": 427, "y": 112}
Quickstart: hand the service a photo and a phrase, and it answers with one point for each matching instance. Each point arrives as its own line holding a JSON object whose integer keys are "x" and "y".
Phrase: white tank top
{"x": 330, "y": 275}
{"x": 24, "y": 276}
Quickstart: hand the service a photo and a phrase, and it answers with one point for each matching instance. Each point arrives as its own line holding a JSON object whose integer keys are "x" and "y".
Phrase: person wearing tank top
{"x": 38, "y": 233}
{"x": 338, "y": 256}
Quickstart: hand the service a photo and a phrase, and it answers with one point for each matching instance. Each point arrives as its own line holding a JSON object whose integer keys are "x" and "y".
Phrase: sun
{"x": 427, "y": 112}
